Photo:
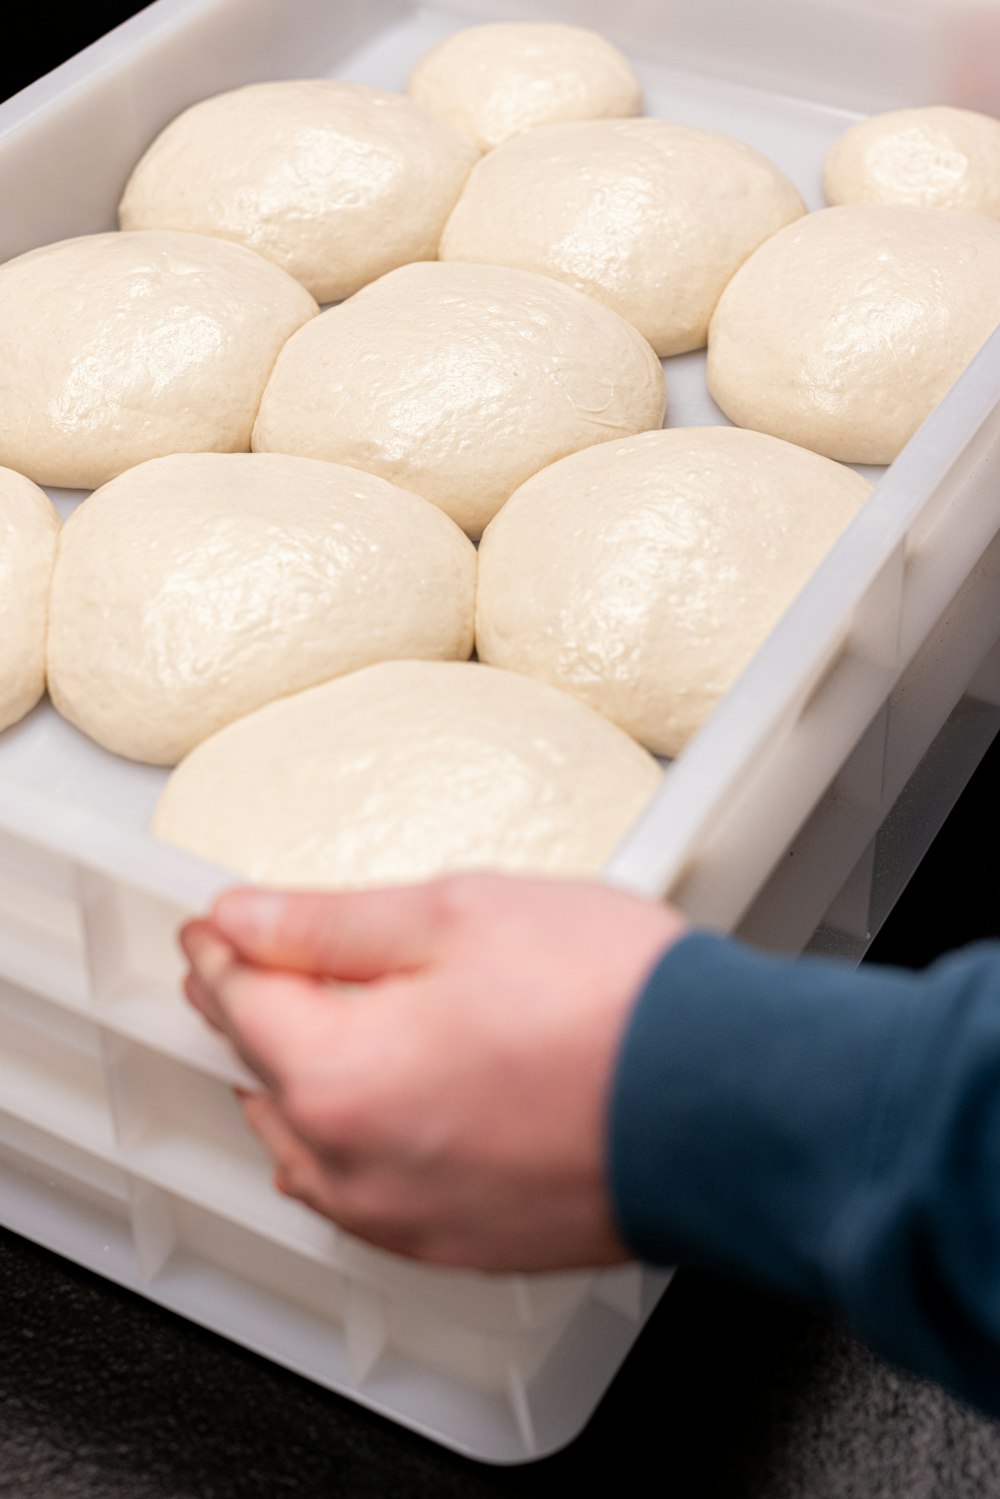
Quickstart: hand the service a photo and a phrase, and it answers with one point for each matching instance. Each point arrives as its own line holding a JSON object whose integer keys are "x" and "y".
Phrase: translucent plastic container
{"x": 795, "y": 818}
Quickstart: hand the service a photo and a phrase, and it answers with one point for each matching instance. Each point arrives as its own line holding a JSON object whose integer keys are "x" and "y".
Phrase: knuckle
{"x": 392, "y": 1241}
{"x": 295, "y": 1179}
{"x": 447, "y": 1253}
{"x": 330, "y": 1121}
{"x": 375, "y": 1214}
{"x": 306, "y": 1111}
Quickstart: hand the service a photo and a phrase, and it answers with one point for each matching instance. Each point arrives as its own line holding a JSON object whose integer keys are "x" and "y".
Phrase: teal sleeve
{"x": 830, "y": 1133}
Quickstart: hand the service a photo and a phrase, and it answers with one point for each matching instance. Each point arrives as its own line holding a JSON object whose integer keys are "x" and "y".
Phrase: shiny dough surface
{"x": 650, "y": 218}
{"x": 29, "y": 527}
{"x": 459, "y": 382}
{"x": 194, "y": 589}
{"x": 496, "y": 81}
{"x": 936, "y": 157}
{"x": 845, "y": 331}
{"x": 115, "y": 348}
{"x": 337, "y": 183}
{"x": 642, "y": 576}
{"x": 408, "y": 770}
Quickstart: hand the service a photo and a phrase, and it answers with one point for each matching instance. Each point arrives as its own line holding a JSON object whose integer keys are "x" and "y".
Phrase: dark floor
{"x": 729, "y": 1395}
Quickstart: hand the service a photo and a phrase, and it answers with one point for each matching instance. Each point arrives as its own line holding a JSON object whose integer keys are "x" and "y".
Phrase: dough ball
{"x": 926, "y": 158}
{"x": 335, "y": 182}
{"x": 408, "y": 770}
{"x": 845, "y": 331}
{"x": 194, "y": 589}
{"x": 459, "y": 382}
{"x": 642, "y": 576}
{"x": 29, "y": 527}
{"x": 492, "y": 82}
{"x": 651, "y": 219}
{"x": 115, "y": 348}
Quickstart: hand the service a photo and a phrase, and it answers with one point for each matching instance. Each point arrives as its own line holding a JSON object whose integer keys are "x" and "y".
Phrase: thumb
{"x": 353, "y": 936}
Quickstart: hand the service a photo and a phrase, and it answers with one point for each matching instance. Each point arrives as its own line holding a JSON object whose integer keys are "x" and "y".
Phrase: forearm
{"x": 830, "y": 1133}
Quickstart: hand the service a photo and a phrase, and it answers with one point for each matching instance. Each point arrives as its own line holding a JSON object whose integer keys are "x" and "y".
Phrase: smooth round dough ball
{"x": 335, "y": 182}
{"x": 642, "y": 576}
{"x": 29, "y": 527}
{"x": 405, "y": 771}
{"x": 115, "y": 348}
{"x": 459, "y": 382}
{"x": 651, "y": 219}
{"x": 494, "y": 82}
{"x": 845, "y": 331}
{"x": 925, "y": 158}
{"x": 194, "y": 589}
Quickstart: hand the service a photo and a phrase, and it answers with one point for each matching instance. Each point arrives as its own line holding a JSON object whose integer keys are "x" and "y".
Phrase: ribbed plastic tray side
{"x": 833, "y": 717}
{"x": 522, "y": 1394}
{"x": 116, "y": 1150}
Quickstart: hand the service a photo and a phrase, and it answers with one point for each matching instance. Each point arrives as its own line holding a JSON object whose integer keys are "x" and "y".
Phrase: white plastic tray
{"x": 796, "y": 817}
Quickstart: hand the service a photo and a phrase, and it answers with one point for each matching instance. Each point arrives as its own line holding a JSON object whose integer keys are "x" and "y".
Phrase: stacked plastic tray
{"x": 795, "y": 818}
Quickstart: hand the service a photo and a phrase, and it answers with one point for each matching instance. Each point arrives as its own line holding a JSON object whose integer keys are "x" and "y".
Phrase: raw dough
{"x": 845, "y": 331}
{"x": 650, "y": 218}
{"x": 493, "y": 82}
{"x": 194, "y": 589}
{"x": 643, "y": 575}
{"x": 335, "y": 182}
{"x": 115, "y": 348}
{"x": 408, "y": 770}
{"x": 927, "y": 158}
{"x": 459, "y": 382}
{"x": 29, "y": 526}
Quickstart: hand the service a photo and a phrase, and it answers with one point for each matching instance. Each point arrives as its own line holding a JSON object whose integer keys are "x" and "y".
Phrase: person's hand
{"x": 437, "y": 1059}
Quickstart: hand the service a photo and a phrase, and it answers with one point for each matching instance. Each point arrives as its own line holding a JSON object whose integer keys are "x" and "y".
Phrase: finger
{"x": 195, "y": 937}
{"x": 299, "y": 1171}
{"x": 200, "y": 998}
{"x": 287, "y": 1148}
{"x": 206, "y": 950}
{"x": 354, "y": 936}
{"x": 276, "y": 1021}
{"x": 321, "y": 1184}
{"x": 190, "y": 933}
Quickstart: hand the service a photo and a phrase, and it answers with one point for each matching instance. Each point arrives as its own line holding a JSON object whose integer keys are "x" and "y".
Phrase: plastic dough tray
{"x": 795, "y": 818}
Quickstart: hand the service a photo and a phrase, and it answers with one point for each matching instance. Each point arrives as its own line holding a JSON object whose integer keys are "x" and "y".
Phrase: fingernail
{"x": 190, "y": 936}
{"x": 247, "y": 915}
